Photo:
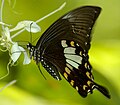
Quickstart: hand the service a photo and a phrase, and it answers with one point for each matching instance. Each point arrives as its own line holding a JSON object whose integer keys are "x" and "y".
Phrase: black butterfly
{"x": 63, "y": 48}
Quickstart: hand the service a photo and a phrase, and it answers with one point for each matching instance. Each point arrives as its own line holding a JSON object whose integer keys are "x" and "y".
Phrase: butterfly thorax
{"x": 34, "y": 52}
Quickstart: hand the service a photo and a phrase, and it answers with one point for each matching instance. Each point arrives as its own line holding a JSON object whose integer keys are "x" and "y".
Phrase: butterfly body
{"x": 63, "y": 48}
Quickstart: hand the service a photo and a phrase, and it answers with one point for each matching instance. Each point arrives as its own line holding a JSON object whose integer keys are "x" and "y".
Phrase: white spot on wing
{"x": 75, "y": 58}
{"x": 72, "y": 63}
{"x": 63, "y": 43}
{"x": 69, "y": 50}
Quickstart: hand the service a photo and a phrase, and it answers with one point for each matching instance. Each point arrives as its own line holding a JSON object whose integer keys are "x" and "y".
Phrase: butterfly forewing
{"x": 76, "y": 24}
{"x": 64, "y": 46}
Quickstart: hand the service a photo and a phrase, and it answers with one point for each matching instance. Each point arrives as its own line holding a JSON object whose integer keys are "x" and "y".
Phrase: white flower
{"x": 16, "y": 52}
{"x": 30, "y": 26}
{"x": 14, "y": 49}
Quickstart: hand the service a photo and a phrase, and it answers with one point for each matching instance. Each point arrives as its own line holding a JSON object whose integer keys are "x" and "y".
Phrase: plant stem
{"x": 1, "y": 9}
{"x": 51, "y": 13}
{"x": 41, "y": 19}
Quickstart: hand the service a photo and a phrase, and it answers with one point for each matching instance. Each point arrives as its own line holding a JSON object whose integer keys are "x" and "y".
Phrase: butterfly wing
{"x": 77, "y": 23}
{"x": 64, "y": 47}
{"x": 75, "y": 26}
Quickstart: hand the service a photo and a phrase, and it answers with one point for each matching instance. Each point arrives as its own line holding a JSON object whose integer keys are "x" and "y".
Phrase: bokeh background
{"x": 31, "y": 88}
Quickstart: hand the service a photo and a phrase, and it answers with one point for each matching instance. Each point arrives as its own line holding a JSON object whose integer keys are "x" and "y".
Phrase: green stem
{"x": 40, "y": 19}
{"x": 51, "y": 13}
{"x": 1, "y": 9}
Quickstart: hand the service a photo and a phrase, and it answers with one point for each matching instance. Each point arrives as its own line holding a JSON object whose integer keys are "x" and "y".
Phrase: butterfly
{"x": 63, "y": 49}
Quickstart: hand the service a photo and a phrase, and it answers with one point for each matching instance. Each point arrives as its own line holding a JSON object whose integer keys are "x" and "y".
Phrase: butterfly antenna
{"x": 41, "y": 72}
{"x": 31, "y": 32}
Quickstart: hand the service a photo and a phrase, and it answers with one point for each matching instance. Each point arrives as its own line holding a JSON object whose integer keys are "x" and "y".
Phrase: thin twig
{"x": 16, "y": 34}
{"x": 41, "y": 19}
{"x": 9, "y": 84}
{"x": 7, "y": 71}
{"x": 1, "y": 9}
{"x": 51, "y": 13}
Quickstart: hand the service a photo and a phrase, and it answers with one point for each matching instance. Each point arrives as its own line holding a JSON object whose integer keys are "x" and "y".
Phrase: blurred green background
{"x": 31, "y": 88}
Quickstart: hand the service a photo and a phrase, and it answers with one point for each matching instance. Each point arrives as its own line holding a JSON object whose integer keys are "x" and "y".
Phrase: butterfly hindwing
{"x": 72, "y": 62}
{"x": 76, "y": 71}
{"x": 51, "y": 69}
